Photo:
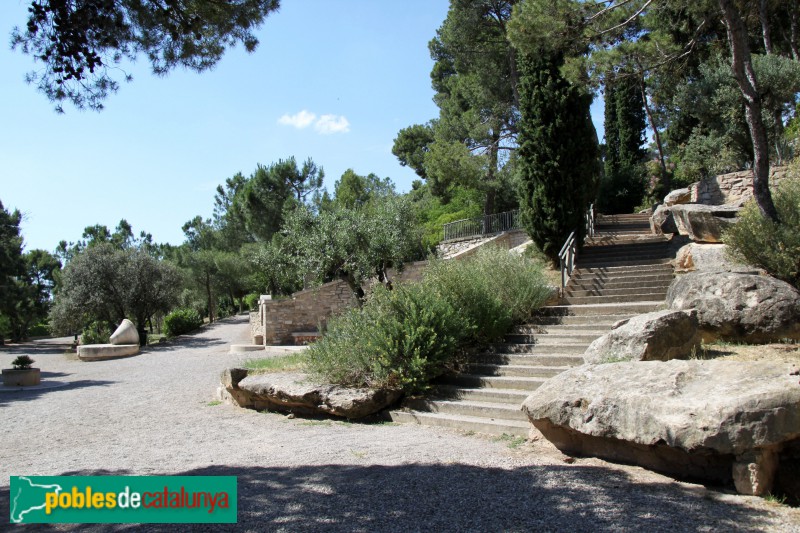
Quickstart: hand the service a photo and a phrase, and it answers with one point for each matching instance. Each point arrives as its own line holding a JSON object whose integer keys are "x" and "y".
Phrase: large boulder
{"x": 738, "y": 307}
{"x": 662, "y": 222}
{"x": 297, "y": 393}
{"x": 703, "y": 223}
{"x": 125, "y": 334}
{"x": 678, "y": 196}
{"x": 716, "y": 421}
{"x": 696, "y": 257}
{"x": 657, "y": 336}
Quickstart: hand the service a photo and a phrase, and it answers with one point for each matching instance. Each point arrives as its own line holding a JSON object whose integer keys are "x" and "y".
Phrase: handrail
{"x": 485, "y": 225}
{"x": 568, "y": 253}
{"x": 566, "y": 259}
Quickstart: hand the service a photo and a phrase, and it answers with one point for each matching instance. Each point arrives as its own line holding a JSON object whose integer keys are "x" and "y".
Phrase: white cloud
{"x": 329, "y": 124}
{"x": 300, "y": 120}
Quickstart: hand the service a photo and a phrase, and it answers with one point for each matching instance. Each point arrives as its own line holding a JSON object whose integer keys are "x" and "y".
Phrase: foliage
{"x": 623, "y": 183}
{"x": 274, "y": 271}
{"x": 251, "y": 301}
{"x": 398, "y": 339}
{"x": 96, "y": 332}
{"x": 181, "y": 321}
{"x": 22, "y": 362}
{"x": 103, "y": 283}
{"x": 352, "y": 191}
{"x": 558, "y": 154}
{"x": 80, "y": 44}
{"x": 433, "y": 212}
{"x": 42, "y": 329}
{"x": 405, "y": 337}
{"x": 761, "y": 242}
{"x": 353, "y": 244}
{"x": 474, "y": 77}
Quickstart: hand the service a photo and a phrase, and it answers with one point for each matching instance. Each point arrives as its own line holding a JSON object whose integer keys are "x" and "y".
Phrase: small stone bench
{"x": 100, "y": 352}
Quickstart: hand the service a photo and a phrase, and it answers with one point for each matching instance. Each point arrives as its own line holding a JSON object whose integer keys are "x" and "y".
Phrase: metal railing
{"x": 566, "y": 259}
{"x": 568, "y": 253}
{"x": 485, "y": 225}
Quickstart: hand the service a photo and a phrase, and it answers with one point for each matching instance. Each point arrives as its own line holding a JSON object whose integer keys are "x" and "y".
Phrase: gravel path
{"x": 152, "y": 414}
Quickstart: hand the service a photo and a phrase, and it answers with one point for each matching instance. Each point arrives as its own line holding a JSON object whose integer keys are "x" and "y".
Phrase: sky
{"x": 334, "y": 80}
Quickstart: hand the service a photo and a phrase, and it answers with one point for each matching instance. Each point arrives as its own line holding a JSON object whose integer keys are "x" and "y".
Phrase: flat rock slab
{"x": 101, "y": 352}
{"x": 296, "y": 392}
{"x": 718, "y": 421}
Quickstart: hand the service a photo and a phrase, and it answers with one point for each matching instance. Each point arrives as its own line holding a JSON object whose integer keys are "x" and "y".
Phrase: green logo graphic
{"x": 123, "y": 499}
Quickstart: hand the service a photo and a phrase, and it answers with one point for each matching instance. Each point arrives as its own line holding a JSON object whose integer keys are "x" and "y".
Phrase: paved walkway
{"x": 152, "y": 414}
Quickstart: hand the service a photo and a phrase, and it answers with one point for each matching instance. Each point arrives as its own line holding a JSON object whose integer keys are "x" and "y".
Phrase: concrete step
{"x": 619, "y": 282}
{"x": 509, "y": 396}
{"x": 621, "y": 262}
{"x": 491, "y": 382}
{"x": 507, "y": 370}
{"x": 631, "y": 248}
{"x": 611, "y": 238}
{"x": 502, "y": 411}
{"x": 622, "y": 270}
{"x": 562, "y": 347}
{"x": 644, "y": 297}
{"x": 604, "y": 291}
{"x": 592, "y": 327}
{"x": 550, "y": 339}
{"x": 550, "y": 360}
{"x": 467, "y": 423}
{"x": 629, "y": 309}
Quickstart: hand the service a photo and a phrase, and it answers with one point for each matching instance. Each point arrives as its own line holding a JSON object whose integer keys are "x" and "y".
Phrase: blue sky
{"x": 334, "y": 80}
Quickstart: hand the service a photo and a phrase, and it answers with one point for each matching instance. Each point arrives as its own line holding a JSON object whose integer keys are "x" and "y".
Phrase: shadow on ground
{"x": 27, "y": 395}
{"x": 442, "y": 497}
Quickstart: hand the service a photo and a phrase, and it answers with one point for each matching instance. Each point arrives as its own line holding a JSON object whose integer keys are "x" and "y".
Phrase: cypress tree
{"x": 623, "y": 185}
{"x": 558, "y": 154}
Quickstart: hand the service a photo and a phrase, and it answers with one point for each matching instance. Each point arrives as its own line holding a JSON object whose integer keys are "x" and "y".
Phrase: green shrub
{"x": 405, "y": 337}
{"x": 492, "y": 290}
{"x": 251, "y": 301}
{"x": 775, "y": 247}
{"x": 22, "y": 362}
{"x": 181, "y": 321}
{"x": 96, "y": 333}
{"x": 42, "y": 329}
{"x": 400, "y": 339}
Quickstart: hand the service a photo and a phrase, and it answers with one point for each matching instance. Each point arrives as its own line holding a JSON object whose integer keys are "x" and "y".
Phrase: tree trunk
{"x": 763, "y": 15}
{"x": 665, "y": 181}
{"x": 209, "y": 299}
{"x": 742, "y": 67}
{"x": 793, "y": 29}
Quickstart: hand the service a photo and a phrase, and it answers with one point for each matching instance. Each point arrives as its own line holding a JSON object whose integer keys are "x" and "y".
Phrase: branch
{"x": 608, "y": 30}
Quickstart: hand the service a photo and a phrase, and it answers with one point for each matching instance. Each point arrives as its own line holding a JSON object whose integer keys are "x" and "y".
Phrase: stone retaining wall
{"x": 463, "y": 248}
{"x": 731, "y": 188}
{"x": 307, "y": 310}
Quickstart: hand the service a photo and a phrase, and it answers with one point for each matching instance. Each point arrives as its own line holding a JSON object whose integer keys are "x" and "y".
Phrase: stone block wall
{"x": 307, "y": 310}
{"x": 464, "y": 248}
{"x": 731, "y": 188}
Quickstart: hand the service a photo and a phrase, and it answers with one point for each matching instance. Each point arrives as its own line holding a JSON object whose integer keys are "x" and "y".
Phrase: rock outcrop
{"x": 657, "y": 336}
{"x": 662, "y": 222}
{"x": 125, "y": 334}
{"x": 738, "y": 307}
{"x": 297, "y": 393}
{"x": 695, "y": 257}
{"x": 703, "y": 223}
{"x": 678, "y": 196}
{"x": 716, "y": 421}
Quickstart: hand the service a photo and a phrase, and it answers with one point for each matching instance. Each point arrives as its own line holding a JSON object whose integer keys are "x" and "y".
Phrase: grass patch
{"x": 777, "y": 500}
{"x": 512, "y": 441}
{"x": 316, "y": 423}
{"x": 283, "y": 363}
{"x": 214, "y": 403}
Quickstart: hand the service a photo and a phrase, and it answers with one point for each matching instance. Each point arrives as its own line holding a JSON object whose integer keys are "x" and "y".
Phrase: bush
{"x": 405, "y": 337}
{"x": 42, "y": 329}
{"x": 22, "y": 362}
{"x": 763, "y": 243}
{"x": 251, "y": 301}
{"x": 96, "y": 333}
{"x": 181, "y": 321}
{"x": 399, "y": 339}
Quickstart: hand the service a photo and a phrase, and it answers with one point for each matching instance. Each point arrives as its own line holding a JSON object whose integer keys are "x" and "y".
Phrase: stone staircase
{"x": 621, "y": 272}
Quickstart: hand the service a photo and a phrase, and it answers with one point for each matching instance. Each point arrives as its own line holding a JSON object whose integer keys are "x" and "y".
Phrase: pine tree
{"x": 558, "y": 154}
{"x": 624, "y": 183}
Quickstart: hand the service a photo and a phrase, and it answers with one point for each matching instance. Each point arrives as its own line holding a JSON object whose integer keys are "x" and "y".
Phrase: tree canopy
{"x": 81, "y": 43}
